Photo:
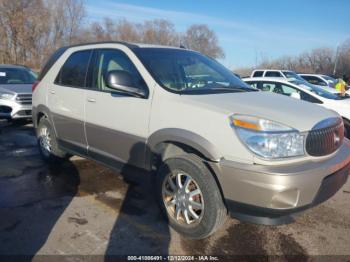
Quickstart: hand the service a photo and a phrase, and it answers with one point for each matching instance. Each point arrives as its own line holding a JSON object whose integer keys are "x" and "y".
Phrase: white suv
{"x": 276, "y": 73}
{"x": 214, "y": 143}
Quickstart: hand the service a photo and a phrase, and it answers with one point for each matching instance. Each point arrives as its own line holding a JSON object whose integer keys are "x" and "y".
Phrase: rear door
{"x": 116, "y": 123}
{"x": 66, "y": 99}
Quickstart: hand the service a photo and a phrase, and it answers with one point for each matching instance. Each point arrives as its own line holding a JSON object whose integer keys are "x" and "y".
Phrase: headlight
{"x": 268, "y": 139}
{"x": 4, "y": 95}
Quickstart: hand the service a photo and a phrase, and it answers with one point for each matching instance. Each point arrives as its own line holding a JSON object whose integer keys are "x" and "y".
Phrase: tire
{"x": 210, "y": 211}
{"x": 47, "y": 142}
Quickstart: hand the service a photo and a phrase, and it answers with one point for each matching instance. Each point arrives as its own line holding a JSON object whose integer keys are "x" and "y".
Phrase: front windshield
{"x": 10, "y": 76}
{"x": 328, "y": 78}
{"x": 291, "y": 74}
{"x": 319, "y": 90}
{"x": 185, "y": 71}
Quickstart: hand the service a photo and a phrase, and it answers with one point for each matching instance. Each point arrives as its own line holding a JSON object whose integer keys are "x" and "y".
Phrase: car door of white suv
{"x": 116, "y": 123}
{"x": 66, "y": 98}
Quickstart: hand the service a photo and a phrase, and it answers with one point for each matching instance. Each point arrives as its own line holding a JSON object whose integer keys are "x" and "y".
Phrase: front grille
{"x": 326, "y": 140}
{"x": 24, "y": 99}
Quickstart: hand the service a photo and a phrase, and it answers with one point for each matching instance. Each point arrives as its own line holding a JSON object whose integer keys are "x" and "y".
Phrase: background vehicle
{"x": 16, "y": 92}
{"x": 214, "y": 143}
{"x": 276, "y": 73}
{"x": 307, "y": 92}
{"x": 319, "y": 80}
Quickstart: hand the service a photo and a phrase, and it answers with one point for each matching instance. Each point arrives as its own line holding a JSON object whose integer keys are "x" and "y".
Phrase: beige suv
{"x": 216, "y": 145}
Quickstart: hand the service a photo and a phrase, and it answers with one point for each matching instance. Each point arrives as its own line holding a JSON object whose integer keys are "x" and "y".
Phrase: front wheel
{"x": 48, "y": 144}
{"x": 190, "y": 197}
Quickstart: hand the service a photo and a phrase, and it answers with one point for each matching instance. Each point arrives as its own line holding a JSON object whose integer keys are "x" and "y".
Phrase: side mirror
{"x": 295, "y": 95}
{"x": 122, "y": 81}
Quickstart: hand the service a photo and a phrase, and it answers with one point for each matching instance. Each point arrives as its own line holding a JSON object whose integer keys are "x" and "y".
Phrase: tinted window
{"x": 258, "y": 73}
{"x": 10, "y": 76}
{"x": 110, "y": 60}
{"x": 273, "y": 74}
{"x": 52, "y": 60}
{"x": 73, "y": 72}
{"x": 314, "y": 80}
{"x": 310, "y": 98}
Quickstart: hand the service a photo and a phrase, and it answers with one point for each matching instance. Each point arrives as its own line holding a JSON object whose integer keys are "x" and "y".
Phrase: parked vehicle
{"x": 276, "y": 73}
{"x": 214, "y": 143}
{"x": 16, "y": 92}
{"x": 319, "y": 80}
{"x": 325, "y": 96}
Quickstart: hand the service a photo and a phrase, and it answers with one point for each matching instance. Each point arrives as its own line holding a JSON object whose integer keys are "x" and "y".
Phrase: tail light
{"x": 35, "y": 84}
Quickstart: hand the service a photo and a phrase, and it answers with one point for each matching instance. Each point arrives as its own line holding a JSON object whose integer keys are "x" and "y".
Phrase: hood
{"x": 291, "y": 112}
{"x": 17, "y": 88}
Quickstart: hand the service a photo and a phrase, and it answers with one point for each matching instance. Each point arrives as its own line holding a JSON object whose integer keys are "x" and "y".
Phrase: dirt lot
{"x": 83, "y": 208}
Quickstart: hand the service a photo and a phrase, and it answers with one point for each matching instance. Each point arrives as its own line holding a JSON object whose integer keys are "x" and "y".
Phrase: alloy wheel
{"x": 183, "y": 198}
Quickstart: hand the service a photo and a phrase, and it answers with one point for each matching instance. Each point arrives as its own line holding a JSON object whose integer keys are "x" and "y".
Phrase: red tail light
{"x": 35, "y": 84}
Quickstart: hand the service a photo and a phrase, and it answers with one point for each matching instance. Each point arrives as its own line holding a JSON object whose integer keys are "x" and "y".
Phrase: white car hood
{"x": 292, "y": 112}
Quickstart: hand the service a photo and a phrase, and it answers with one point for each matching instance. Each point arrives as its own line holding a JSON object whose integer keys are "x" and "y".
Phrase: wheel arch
{"x": 169, "y": 142}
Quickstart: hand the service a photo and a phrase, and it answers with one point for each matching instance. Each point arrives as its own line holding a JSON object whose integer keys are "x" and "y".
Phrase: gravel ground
{"x": 84, "y": 208}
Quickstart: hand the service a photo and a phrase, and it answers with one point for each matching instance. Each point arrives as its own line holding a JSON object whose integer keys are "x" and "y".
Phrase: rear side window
{"x": 258, "y": 73}
{"x": 73, "y": 72}
{"x": 273, "y": 74}
{"x": 52, "y": 60}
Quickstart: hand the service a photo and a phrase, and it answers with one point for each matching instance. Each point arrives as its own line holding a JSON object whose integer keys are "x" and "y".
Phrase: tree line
{"x": 30, "y": 30}
{"x": 329, "y": 61}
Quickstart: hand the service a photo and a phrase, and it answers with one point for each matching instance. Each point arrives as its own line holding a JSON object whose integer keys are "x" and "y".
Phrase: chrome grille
{"x": 24, "y": 99}
{"x": 325, "y": 141}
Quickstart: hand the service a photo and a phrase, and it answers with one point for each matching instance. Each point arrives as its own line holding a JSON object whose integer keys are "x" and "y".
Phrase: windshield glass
{"x": 184, "y": 71}
{"x": 10, "y": 76}
{"x": 328, "y": 78}
{"x": 291, "y": 74}
{"x": 319, "y": 90}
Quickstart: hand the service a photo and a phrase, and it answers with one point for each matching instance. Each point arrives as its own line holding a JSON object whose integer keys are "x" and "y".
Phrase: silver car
{"x": 16, "y": 92}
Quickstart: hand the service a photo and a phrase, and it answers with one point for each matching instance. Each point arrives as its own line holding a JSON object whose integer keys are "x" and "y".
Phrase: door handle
{"x": 91, "y": 100}
{"x": 52, "y": 92}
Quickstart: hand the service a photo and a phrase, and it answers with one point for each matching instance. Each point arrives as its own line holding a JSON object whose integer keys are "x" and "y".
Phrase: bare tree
{"x": 204, "y": 40}
{"x": 127, "y": 31}
{"x": 159, "y": 31}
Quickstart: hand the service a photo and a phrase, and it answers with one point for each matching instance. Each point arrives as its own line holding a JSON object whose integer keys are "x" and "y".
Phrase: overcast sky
{"x": 247, "y": 30}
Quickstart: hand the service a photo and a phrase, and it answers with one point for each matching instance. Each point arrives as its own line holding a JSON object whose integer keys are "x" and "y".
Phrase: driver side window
{"x": 108, "y": 60}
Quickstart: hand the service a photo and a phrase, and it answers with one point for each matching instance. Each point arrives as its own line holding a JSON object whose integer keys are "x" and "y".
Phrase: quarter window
{"x": 110, "y": 60}
{"x": 258, "y": 73}
{"x": 73, "y": 72}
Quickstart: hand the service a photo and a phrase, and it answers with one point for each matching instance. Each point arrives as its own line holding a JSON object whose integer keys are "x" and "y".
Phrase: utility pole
{"x": 336, "y": 60}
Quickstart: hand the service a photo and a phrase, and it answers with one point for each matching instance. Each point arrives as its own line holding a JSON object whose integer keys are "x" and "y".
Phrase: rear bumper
{"x": 260, "y": 193}
{"x": 10, "y": 109}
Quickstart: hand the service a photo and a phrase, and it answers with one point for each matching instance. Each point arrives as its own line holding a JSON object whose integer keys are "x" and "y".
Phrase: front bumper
{"x": 277, "y": 191}
{"x": 11, "y": 109}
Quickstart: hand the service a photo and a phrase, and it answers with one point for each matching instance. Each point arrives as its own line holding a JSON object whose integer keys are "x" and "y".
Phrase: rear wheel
{"x": 190, "y": 197}
{"x": 47, "y": 142}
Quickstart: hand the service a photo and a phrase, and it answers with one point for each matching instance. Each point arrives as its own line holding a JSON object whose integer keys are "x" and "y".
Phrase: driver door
{"x": 116, "y": 123}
